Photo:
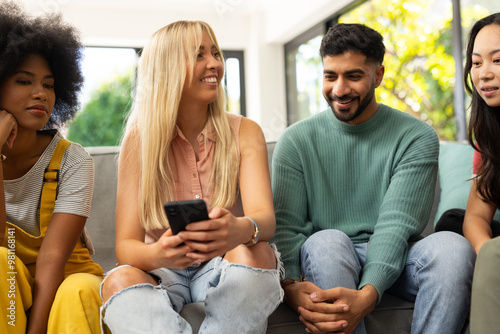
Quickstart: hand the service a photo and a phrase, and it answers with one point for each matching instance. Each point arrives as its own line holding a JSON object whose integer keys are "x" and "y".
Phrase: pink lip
{"x": 38, "y": 109}
{"x": 344, "y": 105}
{"x": 489, "y": 90}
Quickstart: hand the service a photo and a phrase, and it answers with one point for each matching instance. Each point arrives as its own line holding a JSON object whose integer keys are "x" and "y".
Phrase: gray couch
{"x": 392, "y": 315}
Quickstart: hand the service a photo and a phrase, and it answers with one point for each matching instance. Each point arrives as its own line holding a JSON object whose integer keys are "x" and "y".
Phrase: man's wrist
{"x": 371, "y": 293}
{"x": 288, "y": 285}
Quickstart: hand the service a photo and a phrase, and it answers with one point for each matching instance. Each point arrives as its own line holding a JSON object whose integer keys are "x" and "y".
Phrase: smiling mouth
{"x": 209, "y": 80}
{"x": 342, "y": 100}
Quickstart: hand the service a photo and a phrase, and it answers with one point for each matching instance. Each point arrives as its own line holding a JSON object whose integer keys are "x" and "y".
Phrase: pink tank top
{"x": 476, "y": 162}
{"x": 191, "y": 177}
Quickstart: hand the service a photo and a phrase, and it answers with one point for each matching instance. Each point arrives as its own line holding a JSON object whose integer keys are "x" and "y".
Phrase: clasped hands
{"x": 337, "y": 310}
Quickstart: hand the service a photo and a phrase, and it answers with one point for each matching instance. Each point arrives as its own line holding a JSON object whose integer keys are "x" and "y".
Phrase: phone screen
{"x": 181, "y": 213}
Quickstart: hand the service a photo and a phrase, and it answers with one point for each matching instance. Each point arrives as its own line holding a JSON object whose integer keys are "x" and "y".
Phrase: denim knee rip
{"x": 222, "y": 266}
{"x": 278, "y": 273}
{"x": 105, "y": 304}
{"x": 108, "y": 302}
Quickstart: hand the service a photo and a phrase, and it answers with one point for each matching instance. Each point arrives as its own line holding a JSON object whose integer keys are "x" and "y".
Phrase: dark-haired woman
{"x": 482, "y": 80}
{"x": 49, "y": 282}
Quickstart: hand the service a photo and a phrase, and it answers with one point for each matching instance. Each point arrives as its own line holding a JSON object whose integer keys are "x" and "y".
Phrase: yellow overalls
{"x": 77, "y": 301}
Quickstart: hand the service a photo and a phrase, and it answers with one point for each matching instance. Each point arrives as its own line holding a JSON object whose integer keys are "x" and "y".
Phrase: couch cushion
{"x": 101, "y": 223}
{"x": 283, "y": 320}
{"x": 455, "y": 171}
{"x": 392, "y": 315}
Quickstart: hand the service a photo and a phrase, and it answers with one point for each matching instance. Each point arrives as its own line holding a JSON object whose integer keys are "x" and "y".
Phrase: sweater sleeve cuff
{"x": 293, "y": 274}
{"x": 379, "y": 279}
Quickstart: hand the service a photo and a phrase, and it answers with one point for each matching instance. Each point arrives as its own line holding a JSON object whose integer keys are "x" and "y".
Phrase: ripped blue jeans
{"x": 237, "y": 298}
{"x": 437, "y": 275}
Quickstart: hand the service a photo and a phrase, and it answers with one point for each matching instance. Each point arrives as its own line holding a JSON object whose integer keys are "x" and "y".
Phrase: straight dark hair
{"x": 484, "y": 125}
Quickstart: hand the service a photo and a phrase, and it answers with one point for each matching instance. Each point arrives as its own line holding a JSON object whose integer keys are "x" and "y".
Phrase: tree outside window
{"x": 420, "y": 69}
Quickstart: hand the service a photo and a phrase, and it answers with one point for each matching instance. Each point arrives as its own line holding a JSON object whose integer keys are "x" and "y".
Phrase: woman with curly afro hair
{"x": 52, "y": 282}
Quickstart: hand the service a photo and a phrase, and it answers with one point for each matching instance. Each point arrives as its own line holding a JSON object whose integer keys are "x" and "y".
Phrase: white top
{"x": 76, "y": 183}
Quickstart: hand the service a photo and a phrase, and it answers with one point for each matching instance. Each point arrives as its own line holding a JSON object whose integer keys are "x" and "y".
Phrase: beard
{"x": 348, "y": 115}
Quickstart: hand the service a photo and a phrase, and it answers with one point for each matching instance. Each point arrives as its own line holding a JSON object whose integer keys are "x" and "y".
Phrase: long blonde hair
{"x": 165, "y": 60}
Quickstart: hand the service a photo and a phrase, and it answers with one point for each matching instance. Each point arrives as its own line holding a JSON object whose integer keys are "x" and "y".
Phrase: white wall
{"x": 259, "y": 27}
{"x": 286, "y": 19}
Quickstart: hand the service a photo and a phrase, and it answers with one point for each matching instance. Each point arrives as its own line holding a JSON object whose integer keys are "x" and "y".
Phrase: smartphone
{"x": 181, "y": 213}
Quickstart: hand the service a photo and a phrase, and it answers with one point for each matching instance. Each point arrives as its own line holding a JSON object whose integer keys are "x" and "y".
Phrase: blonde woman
{"x": 180, "y": 144}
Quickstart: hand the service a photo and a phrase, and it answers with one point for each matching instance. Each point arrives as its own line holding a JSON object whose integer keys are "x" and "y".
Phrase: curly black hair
{"x": 59, "y": 43}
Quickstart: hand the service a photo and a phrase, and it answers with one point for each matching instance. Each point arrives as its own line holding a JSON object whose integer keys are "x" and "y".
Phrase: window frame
{"x": 291, "y": 75}
{"x": 323, "y": 26}
{"x": 240, "y": 55}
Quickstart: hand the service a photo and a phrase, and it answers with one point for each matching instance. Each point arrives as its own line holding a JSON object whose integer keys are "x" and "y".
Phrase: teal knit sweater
{"x": 374, "y": 181}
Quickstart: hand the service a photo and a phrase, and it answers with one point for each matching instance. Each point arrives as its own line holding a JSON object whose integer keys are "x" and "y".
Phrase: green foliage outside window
{"x": 419, "y": 70}
{"x": 419, "y": 66}
{"x": 102, "y": 119}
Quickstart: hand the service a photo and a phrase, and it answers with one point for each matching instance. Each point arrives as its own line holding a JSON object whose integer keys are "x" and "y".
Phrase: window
{"x": 304, "y": 76}
{"x": 420, "y": 69}
{"x": 472, "y": 10}
{"x": 101, "y": 65}
{"x": 106, "y": 97}
{"x": 234, "y": 82}
{"x": 107, "y": 93}
{"x": 420, "y": 76}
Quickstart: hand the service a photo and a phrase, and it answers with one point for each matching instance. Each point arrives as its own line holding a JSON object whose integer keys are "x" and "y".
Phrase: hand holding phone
{"x": 181, "y": 213}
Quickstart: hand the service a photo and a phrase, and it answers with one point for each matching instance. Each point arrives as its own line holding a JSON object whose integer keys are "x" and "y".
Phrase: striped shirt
{"x": 76, "y": 182}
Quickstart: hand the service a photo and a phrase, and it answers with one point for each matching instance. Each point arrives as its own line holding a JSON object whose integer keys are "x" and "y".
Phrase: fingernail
{"x": 345, "y": 309}
{"x": 314, "y": 295}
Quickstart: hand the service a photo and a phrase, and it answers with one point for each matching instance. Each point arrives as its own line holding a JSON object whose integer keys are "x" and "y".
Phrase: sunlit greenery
{"x": 419, "y": 66}
{"x": 419, "y": 70}
{"x": 101, "y": 121}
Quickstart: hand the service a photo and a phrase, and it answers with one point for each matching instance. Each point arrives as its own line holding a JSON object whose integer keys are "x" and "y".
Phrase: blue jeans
{"x": 238, "y": 299}
{"x": 437, "y": 275}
